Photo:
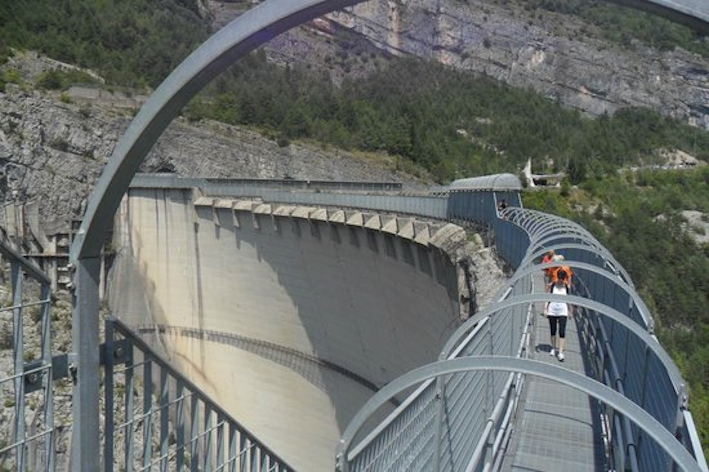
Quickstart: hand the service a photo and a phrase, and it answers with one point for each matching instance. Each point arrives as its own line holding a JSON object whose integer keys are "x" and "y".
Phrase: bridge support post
{"x": 85, "y": 456}
{"x": 438, "y": 437}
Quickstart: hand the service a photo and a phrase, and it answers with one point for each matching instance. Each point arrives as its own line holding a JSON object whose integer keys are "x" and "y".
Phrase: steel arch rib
{"x": 600, "y": 308}
{"x": 602, "y": 252}
{"x": 533, "y": 255}
{"x": 629, "y": 289}
{"x": 540, "y": 237}
{"x": 241, "y": 36}
{"x": 244, "y": 34}
{"x": 620, "y": 403}
{"x": 543, "y": 240}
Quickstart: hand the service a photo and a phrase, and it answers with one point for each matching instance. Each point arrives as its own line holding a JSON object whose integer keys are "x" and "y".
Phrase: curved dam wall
{"x": 289, "y": 317}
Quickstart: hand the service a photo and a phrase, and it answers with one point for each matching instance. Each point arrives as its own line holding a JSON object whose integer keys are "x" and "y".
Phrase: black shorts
{"x": 558, "y": 320}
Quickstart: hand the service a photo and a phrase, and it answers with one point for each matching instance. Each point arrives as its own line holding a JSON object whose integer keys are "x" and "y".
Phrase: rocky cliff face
{"x": 551, "y": 55}
{"x": 548, "y": 52}
{"x": 56, "y": 151}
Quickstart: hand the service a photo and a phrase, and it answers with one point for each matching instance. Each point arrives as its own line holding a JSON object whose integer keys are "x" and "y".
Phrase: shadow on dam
{"x": 290, "y": 322}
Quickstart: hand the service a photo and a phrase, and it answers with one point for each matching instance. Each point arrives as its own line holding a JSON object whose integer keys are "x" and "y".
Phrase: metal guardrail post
{"x": 164, "y": 419}
{"x": 147, "y": 412}
{"x": 85, "y": 338}
{"x": 440, "y": 399}
{"x": 129, "y": 450}
{"x": 180, "y": 425}
{"x": 108, "y": 382}
{"x": 17, "y": 330}
{"x": 232, "y": 449}
{"x": 47, "y": 380}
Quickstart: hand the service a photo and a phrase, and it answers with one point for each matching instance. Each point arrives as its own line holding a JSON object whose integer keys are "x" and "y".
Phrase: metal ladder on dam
{"x": 495, "y": 399}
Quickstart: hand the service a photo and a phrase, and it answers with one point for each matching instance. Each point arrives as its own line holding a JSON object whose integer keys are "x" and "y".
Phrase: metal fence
{"x": 157, "y": 420}
{"x": 375, "y": 196}
{"x": 27, "y": 435}
{"x": 154, "y": 419}
{"x": 626, "y": 357}
{"x": 459, "y": 421}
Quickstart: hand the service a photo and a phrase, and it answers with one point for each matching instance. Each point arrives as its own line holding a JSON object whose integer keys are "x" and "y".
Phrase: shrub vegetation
{"x": 640, "y": 222}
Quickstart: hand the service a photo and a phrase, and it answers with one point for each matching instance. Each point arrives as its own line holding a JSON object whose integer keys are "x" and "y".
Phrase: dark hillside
{"x": 128, "y": 42}
{"x": 451, "y": 122}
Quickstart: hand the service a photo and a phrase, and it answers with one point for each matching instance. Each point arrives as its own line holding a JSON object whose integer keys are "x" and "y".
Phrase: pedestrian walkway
{"x": 558, "y": 428}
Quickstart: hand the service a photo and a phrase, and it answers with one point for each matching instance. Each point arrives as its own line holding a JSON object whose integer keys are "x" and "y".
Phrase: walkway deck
{"x": 558, "y": 428}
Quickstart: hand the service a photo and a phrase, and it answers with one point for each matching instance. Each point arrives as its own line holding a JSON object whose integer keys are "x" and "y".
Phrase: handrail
{"x": 640, "y": 417}
{"x": 28, "y": 375}
{"x": 607, "y": 269}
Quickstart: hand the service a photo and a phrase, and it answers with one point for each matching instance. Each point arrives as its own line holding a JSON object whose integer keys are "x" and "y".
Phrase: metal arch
{"x": 611, "y": 265}
{"x": 607, "y": 395}
{"x": 545, "y": 216}
{"x": 496, "y": 182}
{"x": 546, "y": 224}
{"x": 543, "y": 225}
{"x": 248, "y": 31}
{"x": 691, "y": 13}
{"x": 245, "y": 33}
{"x": 603, "y": 252}
{"x": 538, "y": 224}
{"x": 591, "y": 268}
{"x": 599, "y": 251}
{"x": 534, "y": 254}
{"x": 242, "y": 35}
{"x": 543, "y": 238}
{"x": 557, "y": 232}
{"x": 253, "y": 28}
{"x": 649, "y": 340}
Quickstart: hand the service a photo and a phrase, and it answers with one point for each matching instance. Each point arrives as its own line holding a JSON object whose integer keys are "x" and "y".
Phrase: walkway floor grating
{"x": 558, "y": 428}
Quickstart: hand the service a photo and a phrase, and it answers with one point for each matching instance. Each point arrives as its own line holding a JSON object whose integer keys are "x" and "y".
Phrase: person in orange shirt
{"x": 554, "y": 272}
{"x": 547, "y": 258}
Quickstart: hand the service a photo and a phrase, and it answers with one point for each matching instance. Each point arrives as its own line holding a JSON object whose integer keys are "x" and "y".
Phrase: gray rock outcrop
{"x": 56, "y": 151}
{"x": 549, "y": 52}
{"x": 554, "y": 58}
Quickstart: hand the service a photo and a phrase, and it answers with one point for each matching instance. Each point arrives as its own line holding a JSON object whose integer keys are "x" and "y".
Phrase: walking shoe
{"x": 561, "y": 356}
{"x": 552, "y": 352}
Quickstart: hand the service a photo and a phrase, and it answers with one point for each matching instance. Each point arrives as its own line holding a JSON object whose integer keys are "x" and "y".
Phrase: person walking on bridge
{"x": 545, "y": 259}
{"x": 558, "y": 313}
{"x": 553, "y": 271}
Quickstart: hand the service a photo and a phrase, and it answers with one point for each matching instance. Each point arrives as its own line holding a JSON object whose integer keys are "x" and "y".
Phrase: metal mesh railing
{"x": 157, "y": 420}
{"x": 469, "y": 425}
{"x": 154, "y": 419}
{"x": 28, "y": 433}
{"x": 622, "y": 360}
{"x": 453, "y": 421}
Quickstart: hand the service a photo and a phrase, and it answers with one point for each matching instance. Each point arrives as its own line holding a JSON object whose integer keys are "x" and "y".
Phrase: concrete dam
{"x": 290, "y": 317}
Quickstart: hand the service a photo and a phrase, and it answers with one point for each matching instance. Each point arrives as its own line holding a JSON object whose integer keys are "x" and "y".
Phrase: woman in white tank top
{"x": 558, "y": 313}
